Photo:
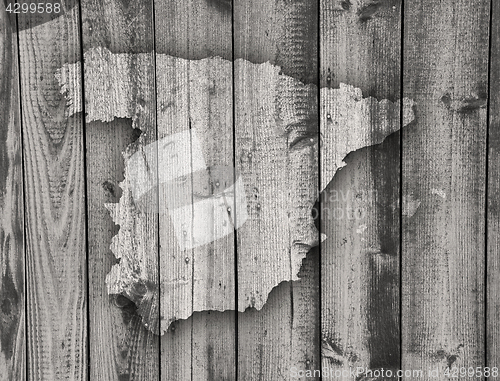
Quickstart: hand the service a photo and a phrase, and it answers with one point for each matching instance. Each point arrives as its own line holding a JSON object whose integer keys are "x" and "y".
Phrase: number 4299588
{"x": 470, "y": 372}
{"x": 34, "y": 8}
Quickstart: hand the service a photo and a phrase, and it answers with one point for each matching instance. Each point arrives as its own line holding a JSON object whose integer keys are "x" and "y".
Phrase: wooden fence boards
{"x": 421, "y": 300}
{"x": 446, "y": 73}
{"x": 56, "y": 277}
{"x": 493, "y": 207}
{"x": 360, "y": 46}
{"x": 195, "y": 95}
{"x": 281, "y": 335}
{"x": 12, "y": 291}
{"x": 120, "y": 345}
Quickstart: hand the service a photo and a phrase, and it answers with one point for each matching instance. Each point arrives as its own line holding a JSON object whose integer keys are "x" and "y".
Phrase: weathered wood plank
{"x": 493, "y": 202}
{"x": 12, "y": 293}
{"x": 195, "y": 97}
{"x": 276, "y": 154}
{"x": 360, "y": 46}
{"x": 359, "y": 272}
{"x": 120, "y": 346}
{"x": 55, "y": 208}
{"x": 443, "y": 242}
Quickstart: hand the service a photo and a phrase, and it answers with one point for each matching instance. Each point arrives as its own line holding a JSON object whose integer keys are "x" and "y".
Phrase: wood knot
{"x": 109, "y": 187}
{"x": 224, "y": 5}
{"x": 450, "y": 356}
{"x": 466, "y": 104}
{"x": 139, "y": 289}
{"x": 346, "y": 5}
{"x": 366, "y": 12}
{"x": 122, "y": 301}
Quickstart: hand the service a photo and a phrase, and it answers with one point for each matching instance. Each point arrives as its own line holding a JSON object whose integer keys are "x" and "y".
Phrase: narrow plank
{"x": 360, "y": 45}
{"x": 279, "y": 168}
{"x": 120, "y": 346}
{"x": 444, "y": 161}
{"x": 195, "y": 97}
{"x": 493, "y": 216}
{"x": 56, "y": 278}
{"x": 12, "y": 293}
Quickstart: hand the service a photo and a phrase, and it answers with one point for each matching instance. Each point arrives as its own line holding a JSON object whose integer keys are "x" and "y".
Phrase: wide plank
{"x": 444, "y": 170}
{"x": 361, "y": 47}
{"x": 120, "y": 346}
{"x": 276, "y": 156}
{"x": 195, "y": 97}
{"x": 54, "y": 181}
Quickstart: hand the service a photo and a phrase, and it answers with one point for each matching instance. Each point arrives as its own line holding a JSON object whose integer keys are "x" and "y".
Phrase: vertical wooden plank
{"x": 55, "y": 199}
{"x": 176, "y": 343}
{"x": 493, "y": 216}
{"x": 360, "y": 45}
{"x": 12, "y": 296}
{"x": 195, "y": 99}
{"x": 284, "y": 333}
{"x": 443, "y": 243}
{"x": 120, "y": 346}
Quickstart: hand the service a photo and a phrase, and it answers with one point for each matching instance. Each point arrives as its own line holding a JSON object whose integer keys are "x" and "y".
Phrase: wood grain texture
{"x": 195, "y": 95}
{"x": 493, "y": 195}
{"x": 198, "y": 261}
{"x": 443, "y": 243}
{"x": 12, "y": 265}
{"x": 360, "y": 217}
{"x": 276, "y": 153}
{"x": 120, "y": 346}
{"x": 180, "y": 80}
{"x": 56, "y": 275}
{"x": 361, "y": 47}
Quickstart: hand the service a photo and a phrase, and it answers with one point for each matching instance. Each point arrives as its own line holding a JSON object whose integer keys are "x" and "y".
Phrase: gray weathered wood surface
{"x": 12, "y": 249}
{"x": 120, "y": 346}
{"x": 361, "y": 46}
{"x": 444, "y": 167}
{"x": 54, "y": 188}
{"x": 278, "y": 182}
{"x": 401, "y": 284}
{"x": 195, "y": 96}
{"x": 493, "y": 198}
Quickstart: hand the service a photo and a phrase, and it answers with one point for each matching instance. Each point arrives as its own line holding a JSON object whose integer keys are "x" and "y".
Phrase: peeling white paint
{"x": 348, "y": 123}
{"x": 441, "y": 193}
{"x": 361, "y": 229}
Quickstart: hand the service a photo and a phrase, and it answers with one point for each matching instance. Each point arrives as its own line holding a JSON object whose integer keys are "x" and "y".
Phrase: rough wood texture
{"x": 361, "y": 46}
{"x": 55, "y": 207}
{"x": 197, "y": 30}
{"x": 359, "y": 216}
{"x": 197, "y": 260}
{"x": 12, "y": 294}
{"x": 276, "y": 153}
{"x": 108, "y": 97}
{"x": 443, "y": 252}
{"x": 175, "y": 205}
{"x": 267, "y": 177}
{"x": 493, "y": 216}
{"x": 120, "y": 346}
